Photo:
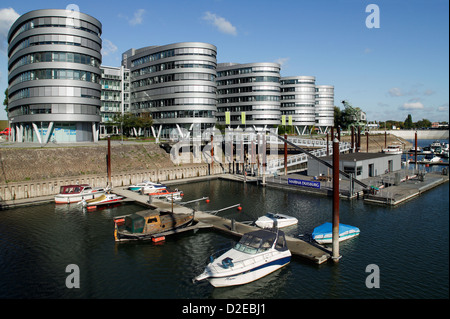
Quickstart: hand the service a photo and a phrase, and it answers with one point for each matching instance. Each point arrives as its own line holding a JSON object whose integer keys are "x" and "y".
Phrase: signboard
{"x": 300, "y": 182}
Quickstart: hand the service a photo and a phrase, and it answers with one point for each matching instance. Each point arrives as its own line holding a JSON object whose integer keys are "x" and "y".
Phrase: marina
{"x": 217, "y": 220}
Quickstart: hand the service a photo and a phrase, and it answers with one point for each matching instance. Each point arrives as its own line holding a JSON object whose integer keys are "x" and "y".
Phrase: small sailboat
{"x": 323, "y": 234}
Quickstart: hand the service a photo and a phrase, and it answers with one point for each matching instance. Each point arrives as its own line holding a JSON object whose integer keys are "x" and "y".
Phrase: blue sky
{"x": 400, "y": 68}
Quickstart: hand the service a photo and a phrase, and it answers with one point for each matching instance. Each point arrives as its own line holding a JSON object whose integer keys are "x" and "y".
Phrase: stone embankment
{"x": 32, "y": 172}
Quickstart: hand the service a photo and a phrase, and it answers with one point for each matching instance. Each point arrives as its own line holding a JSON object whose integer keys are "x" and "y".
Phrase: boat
{"x": 435, "y": 144}
{"x": 176, "y": 197}
{"x": 137, "y": 187}
{"x": 323, "y": 234}
{"x": 149, "y": 224}
{"x": 163, "y": 192}
{"x": 413, "y": 149}
{"x": 256, "y": 255}
{"x": 105, "y": 199}
{"x": 393, "y": 149}
{"x": 275, "y": 220}
{"x": 431, "y": 158}
{"x": 152, "y": 188}
{"x": 76, "y": 193}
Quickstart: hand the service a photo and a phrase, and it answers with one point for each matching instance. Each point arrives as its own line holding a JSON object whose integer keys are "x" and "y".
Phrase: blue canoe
{"x": 323, "y": 234}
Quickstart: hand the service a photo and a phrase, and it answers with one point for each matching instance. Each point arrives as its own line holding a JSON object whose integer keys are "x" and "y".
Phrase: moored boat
{"x": 137, "y": 187}
{"x": 323, "y": 234}
{"x": 275, "y": 220}
{"x": 430, "y": 158}
{"x": 393, "y": 149}
{"x": 104, "y": 199}
{"x": 76, "y": 193}
{"x": 149, "y": 224}
{"x": 163, "y": 192}
{"x": 256, "y": 255}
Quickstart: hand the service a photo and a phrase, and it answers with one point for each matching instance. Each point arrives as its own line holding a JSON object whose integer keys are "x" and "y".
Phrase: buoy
{"x": 239, "y": 208}
{"x": 207, "y": 200}
{"x": 158, "y": 239}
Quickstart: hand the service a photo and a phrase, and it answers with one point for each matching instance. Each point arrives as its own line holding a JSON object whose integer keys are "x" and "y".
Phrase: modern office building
{"x": 54, "y": 76}
{"x": 176, "y": 84}
{"x": 324, "y": 107}
{"x": 249, "y": 94}
{"x": 298, "y": 99}
{"x": 115, "y": 97}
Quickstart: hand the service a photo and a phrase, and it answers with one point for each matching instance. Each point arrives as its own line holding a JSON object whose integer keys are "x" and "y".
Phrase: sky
{"x": 391, "y": 60}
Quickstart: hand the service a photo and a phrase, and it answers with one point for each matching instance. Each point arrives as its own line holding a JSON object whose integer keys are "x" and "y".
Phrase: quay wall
{"x": 421, "y": 134}
{"x": 30, "y": 189}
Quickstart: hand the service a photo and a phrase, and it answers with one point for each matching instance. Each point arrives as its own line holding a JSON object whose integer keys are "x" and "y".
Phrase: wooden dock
{"x": 297, "y": 246}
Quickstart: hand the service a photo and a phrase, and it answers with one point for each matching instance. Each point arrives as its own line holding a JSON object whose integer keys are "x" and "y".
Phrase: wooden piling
{"x": 335, "y": 240}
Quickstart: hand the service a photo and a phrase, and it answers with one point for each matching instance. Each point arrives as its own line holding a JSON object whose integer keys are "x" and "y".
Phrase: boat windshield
{"x": 252, "y": 244}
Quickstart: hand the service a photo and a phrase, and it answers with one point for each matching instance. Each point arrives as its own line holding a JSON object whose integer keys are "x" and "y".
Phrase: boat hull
{"x": 69, "y": 199}
{"x": 250, "y": 275}
{"x": 323, "y": 234}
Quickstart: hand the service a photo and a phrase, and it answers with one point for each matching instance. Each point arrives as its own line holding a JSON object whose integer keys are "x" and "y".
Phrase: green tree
{"x": 408, "y": 124}
{"x": 5, "y": 101}
{"x": 128, "y": 121}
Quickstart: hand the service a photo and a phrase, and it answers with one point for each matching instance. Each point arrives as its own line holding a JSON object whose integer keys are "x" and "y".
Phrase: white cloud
{"x": 443, "y": 108}
{"x": 412, "y": 106}
{"x": 7, "y": 18}
{"x": 108, "y": 47}
{"x": 137, "y": 18}
{"x": 222, "y": 24}
{"x": 282, "y": 61}
{"x": 395, "y": 92}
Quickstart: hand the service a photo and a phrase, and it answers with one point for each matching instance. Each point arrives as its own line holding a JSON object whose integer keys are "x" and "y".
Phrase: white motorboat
{"x": 413, "y": 149}
{"x": 275, "y": 220}
{"x": 139, "y": 186}
{"x": 76, "y": 193}
{"x": 430, "y": 158}
{"x": 393, "y": 149}
{"x": 256, "y": 255}
{"x": 323, "y": 234}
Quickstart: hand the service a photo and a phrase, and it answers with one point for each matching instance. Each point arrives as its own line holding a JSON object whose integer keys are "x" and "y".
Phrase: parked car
{"x": 6, "y": 131}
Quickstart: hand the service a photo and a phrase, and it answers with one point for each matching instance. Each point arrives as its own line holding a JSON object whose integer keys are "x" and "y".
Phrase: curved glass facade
{"x": 54, "y": 76}
{"x": 324, "y": 106}
{"x": 298, "y": 97}
{"x": 252, "y": 88}
{"x": 175, "y": 83}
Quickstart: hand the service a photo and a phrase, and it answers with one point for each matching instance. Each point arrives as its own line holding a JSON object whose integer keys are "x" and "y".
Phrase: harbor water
{"x": 408, "y": 243}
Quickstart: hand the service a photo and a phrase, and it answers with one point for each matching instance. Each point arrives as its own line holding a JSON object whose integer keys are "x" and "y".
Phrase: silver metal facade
{"x": 298, "y": 98}
{"x": 54, "y": 76}
{"x": 253, "y": 88}
{"x": 176, "y": 83}
{"x": 324, "y": 107}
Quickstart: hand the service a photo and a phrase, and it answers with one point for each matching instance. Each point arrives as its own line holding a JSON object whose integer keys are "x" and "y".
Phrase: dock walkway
{"x": 298, "y": 247}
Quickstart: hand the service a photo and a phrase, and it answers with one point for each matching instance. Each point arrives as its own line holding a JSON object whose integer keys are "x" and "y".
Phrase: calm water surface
{"x": 408, "y": 243}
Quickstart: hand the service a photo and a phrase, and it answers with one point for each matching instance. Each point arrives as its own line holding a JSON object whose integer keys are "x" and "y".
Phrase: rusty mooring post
{"x": 415, "y": 151}
{"x": 353, "y": 139}
{"x": 335, "y": 234}
{"x": 108, "y": 162}
{"x": 367, "y": 141}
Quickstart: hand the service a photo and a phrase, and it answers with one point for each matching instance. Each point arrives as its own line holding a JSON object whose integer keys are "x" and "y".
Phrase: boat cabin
{"x": 73, "y": 189}
{"x": 260, "y": 241}
{"x": 154, "y": 221}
